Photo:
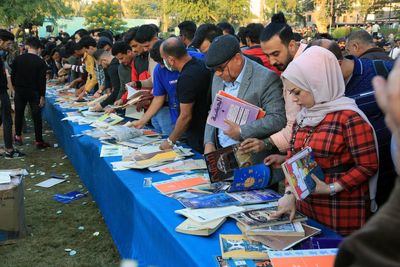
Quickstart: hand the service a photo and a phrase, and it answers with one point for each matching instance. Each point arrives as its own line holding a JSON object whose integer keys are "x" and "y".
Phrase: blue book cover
{"x": 209, "y": 201}
{"x": 250, "y": 178}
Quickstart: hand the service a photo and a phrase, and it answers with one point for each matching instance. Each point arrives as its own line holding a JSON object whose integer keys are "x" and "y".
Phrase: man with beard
{"x": 279, "y": 44}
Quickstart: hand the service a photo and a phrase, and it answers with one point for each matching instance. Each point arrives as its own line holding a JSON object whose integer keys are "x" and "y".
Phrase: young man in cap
{"x": 247, "y": 80}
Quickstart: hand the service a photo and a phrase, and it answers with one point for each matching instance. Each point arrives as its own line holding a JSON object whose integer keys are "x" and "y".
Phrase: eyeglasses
{"x": 221, "y": 67}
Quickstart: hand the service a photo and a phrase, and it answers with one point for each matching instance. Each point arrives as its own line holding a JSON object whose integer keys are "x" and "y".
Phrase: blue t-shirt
{"x": 164, "y": 83}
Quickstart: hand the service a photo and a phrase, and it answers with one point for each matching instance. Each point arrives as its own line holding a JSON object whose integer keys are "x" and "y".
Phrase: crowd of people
{"x": 317, "y": 94}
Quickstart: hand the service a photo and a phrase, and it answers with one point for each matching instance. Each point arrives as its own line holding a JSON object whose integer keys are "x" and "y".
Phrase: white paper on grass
{"x": 5, "y": 177}
{"x": 50, "y": 182}
{"x": 210, "y": 214}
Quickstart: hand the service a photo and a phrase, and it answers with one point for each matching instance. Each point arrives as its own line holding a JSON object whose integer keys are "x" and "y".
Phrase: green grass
{"x": 50, "y": 233}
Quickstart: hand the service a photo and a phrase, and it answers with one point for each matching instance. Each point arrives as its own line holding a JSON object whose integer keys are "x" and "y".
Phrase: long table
{"x": 140, "y": 220}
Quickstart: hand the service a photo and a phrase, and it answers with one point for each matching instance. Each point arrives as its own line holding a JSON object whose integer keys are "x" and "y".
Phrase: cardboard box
{"x": 12, "y": 210}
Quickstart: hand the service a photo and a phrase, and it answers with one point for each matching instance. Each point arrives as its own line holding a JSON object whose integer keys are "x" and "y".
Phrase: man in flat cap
{"x": 247, "y": 80}
{"x": 192, "y": 92}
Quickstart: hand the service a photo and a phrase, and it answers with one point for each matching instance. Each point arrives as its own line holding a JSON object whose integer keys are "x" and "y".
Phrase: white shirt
{"x": 231, "y": 88}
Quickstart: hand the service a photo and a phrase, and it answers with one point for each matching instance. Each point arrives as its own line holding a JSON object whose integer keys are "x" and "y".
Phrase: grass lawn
{"x": 50, "y": 233}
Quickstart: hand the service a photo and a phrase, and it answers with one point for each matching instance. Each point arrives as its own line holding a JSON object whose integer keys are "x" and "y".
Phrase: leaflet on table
{"x": 303, "y": 258}
{"x": 286, "y": 229}
{"x": 186, "y": 165}
{"x": 208, "y": 215}
{"x": 298, "y": 170}
{"x": 227, "y": 107}
{"x": 240, "y": 247}
{"x": 88, "y": 113}
{"x": 107, "y": 120}
{"x": 140, "y": 141}
{"x": 222, "y": 162}
{"x": 110, "y": 151}
{"x": 121, "y": 165}
{"x": 180, "y": 183}
{"x": 255, "y": 196}
{"x": 249, "y": 178}
{"x": 241, "y": 262}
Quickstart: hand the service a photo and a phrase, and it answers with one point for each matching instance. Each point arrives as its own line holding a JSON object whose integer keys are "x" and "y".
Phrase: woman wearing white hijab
{"x": 341, "y": 138}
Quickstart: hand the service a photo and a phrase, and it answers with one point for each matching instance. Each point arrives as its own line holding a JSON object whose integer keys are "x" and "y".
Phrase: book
{"x": 286, "y": 229}
{"x": 255, "y": 196}
{"x": 208, "y": 215}
{"x": 227, "y": 107}
{"x": 285, "y": 242}
{"x": 110, "y": 151}
{"x": 241, "y": 262}
{"x": 173, "y": 185}
{"x": 222, "y": 162}
{"x": 261, "y": 113}
{"x": 209, "y": 201}
{"x": 303, "y": 258}
{"x": 260, "y": 218}
{"x": 131, "y": 112}
{"x": 191, "y": 227}
{"x": 107, "y": 120}
{"x": 186, "y": 165}
{"x": 240, "y": 247}
{"x": 249, "y": 178}
{"x": 298, "y": 170}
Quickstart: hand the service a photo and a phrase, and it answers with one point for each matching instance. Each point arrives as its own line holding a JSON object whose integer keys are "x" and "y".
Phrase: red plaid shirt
{"x": 342, "y": 138}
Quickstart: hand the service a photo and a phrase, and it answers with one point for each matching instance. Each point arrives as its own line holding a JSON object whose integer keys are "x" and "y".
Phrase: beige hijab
{"x": 317, "y": 71}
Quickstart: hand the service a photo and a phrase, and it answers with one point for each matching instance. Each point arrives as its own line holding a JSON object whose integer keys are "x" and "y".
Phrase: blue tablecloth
{"x": 141, "y": 220}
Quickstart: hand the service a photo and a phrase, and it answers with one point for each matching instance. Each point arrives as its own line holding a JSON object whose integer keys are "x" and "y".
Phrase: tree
{"x": 24, "y": 12}
{"x": 235, "y": 12}
{"x": 143, "y": 9}
{"x": 104, "y": 14}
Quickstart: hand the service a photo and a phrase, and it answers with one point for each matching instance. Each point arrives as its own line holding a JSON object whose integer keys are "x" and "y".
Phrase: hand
{"x": 286, "y": 205}
{"x": 97, "y": 107}
{"x": 42, "y": 101}
{"x": 321, "y": 187}
{"x": 208, "y": 148}
{"x": 252, "y": 145}
{"x": 81, "y": 96}
{"x": 67, "y": 66}
{"x": 97, "y": 94}
{"x": 139, "y": 124}
{"x": 109, "y": 110}
{"x": 165, "y": 145}
{"x": 131, "y": 84}
{"x": 274, "y": 160}
{"x": 233, "y": 131}
{"x": 118, "y": 102}
{"x": 387, "y": 95}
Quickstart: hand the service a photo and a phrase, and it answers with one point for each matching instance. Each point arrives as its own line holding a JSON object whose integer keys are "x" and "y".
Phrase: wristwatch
{"x": 332, "y": 189}
{"x": 268, "y": 144}
{"x": 170, "y": 142}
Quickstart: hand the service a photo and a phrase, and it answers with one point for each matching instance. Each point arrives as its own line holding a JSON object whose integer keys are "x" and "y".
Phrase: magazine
{"x": 298, "y": 170}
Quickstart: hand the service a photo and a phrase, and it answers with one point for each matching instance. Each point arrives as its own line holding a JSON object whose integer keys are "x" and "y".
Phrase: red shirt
{"x": 342, "y": 138}
{"x": 257, "y": 52}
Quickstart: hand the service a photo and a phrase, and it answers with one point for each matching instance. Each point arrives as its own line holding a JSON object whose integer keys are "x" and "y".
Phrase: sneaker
{"x": 15, "y": 154}
{"x": 18, "y": 140}
{"x": 41, "y": 145}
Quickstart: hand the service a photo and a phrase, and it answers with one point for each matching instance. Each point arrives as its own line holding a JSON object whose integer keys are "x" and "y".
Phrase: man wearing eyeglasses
{"x": 247, "y": 80}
